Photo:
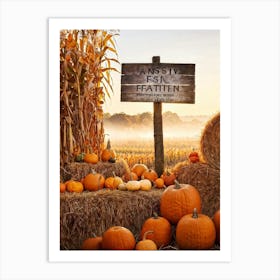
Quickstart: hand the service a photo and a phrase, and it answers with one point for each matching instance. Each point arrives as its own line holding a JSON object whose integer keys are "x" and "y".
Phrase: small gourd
{"x": 146, "y": 244}
{"x": 159, "y": 183}
{"x": 113, "y": 182}
{"x": 122, "y": 187}
{"x": 133, "y": 185}
{"x": 145, "y": 185}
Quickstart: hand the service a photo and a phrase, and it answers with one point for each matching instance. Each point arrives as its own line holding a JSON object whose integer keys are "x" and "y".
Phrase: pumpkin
{"x": 92, "y": 243}
{"x": 149, "y": 174}
{"x": 108, "y": 154}
{"x": 133, "y": 185}
{"x": 91, "y": 158}
{"x": 161, "y": 230}
{"x": 179, "y": 200}
{"x": 146, "y": 244}
{"x": 74, "y": 186}
{"x": 94, "y": 181}
{"x": 62, "y": 187}
{"x": 122, "y": 187}
{"x": 139, "y": 169}
{"x": 145, "y": 185}
{"x": 113, "y": 182}
{"x": 195, "y": 232}
{"x": 216, "y": 220}
{"x": 130, "y": 176}
{"x": 159, "y": 183}
{"x": 194, "y": 157}
{"x": 118, "y": 238}
{"x": 168, "y": 178}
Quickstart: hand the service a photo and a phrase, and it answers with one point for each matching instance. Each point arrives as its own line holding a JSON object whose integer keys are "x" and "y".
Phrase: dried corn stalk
{"x": 86, "y": 59}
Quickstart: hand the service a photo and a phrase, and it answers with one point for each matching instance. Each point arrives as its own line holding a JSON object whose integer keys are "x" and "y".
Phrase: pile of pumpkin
{"x": 140, "y": 177}
{"x": 180, "y": 207}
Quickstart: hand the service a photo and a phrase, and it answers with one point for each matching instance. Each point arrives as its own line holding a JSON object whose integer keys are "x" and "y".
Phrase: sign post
{"x": 158, "y": 82}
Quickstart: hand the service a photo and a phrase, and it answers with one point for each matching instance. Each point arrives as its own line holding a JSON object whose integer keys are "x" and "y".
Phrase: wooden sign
{"x": 158, "y": 82}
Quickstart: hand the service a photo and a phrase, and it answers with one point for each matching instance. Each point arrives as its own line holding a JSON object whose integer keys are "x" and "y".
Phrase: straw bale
{"x": 210, "y": 142}
{"x": 87, "y": 213}
{"x": 206, "y": 179}
{"x": 78, "y": 170}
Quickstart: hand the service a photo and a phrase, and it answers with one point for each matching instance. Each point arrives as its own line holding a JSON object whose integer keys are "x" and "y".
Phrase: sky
{"x": 200, "y": 47}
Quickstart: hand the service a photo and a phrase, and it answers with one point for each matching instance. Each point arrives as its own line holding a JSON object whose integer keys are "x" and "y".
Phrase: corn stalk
{"x": 87, "y": 58}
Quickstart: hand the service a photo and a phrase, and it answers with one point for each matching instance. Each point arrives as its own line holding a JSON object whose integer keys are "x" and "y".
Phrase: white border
{"x": 222, "y": 24}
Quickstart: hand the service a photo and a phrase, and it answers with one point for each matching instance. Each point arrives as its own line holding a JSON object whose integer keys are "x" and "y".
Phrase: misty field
{"x": 142, "y": 150}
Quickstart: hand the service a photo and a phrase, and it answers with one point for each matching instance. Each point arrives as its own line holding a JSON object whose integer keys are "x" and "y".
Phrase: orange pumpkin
{"x": 161, "y": 230}
{"x": 130, "y": 176}
{"x": 74, "y": 186}
{"x": 139, "y": 169}
{"x": 195, "y": 232}
{"x": 108, "y": 154}
{"x": 168, "y": 178}
{"x": 118, "y": 238}
{"x": 159, "y": 183}
{"x": 94, "y": 181}
{"x": 62, "y": 187}
{"x": 113, "y": 182}
{"x": 149, "y": 174}
{"x": 194, "y": 157}
{"x": 146, "y": 244}
{"x": 92, "y": 243}
{"x": 91, "y": 158}
{"x": 216, "y": 220}
{"x": 178, "y": 200}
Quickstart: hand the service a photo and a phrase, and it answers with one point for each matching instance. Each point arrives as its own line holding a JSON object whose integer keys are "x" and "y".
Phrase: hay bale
{"x": 206, "y": 179}
{"x": 78, "y": 170}
{"x": 87, "y": 213}
{"x": 210, "y": 142}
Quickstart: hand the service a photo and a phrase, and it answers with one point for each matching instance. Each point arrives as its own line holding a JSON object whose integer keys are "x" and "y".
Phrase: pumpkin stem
{"x": 93, "y": 171}
{"x": 177, "y": 185}
{"x": 108, "y": 145}
{"x": 146, "y": 233}
{"x": 114, "y": 174}
{"x": 155, "y": 215}
{"x": 195, "y": 215}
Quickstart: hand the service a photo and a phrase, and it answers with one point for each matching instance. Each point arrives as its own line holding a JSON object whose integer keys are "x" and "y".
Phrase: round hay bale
{"x": 206, "y": 179}
{"x": 78, "y": 170}
{"x": 84, "y": 214}
{"x": 210, "y": 142}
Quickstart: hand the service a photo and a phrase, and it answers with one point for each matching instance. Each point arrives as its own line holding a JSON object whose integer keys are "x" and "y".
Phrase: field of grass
{"x": 142, "y": 150}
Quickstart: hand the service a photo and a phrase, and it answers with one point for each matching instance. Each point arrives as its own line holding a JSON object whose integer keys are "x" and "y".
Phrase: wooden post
{"x": 158, "y": 132}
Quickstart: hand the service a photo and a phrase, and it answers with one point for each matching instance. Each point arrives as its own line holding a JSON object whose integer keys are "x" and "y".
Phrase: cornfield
{"x": 87, "y": 58}
{"x": 142, "y": 151}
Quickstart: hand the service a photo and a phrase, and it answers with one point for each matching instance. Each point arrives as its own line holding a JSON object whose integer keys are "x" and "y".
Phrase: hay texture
{"x": 84, "y": 214}
{"x": 210, "y": 142}
{"x": 206, "y": 179}
{"x": 78, "y": 170}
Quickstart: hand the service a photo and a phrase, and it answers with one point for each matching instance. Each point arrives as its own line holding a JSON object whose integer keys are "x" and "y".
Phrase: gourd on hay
{"x": 78, "y": 170}
{"x": 206, "y": 179}
{"x": 84, "y": 214}
{"x": 210, "y": 142}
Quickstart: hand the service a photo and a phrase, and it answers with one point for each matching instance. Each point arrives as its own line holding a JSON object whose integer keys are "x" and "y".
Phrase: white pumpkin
{"x": 133, "y": 185}
{"x": 145, "y": 184}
